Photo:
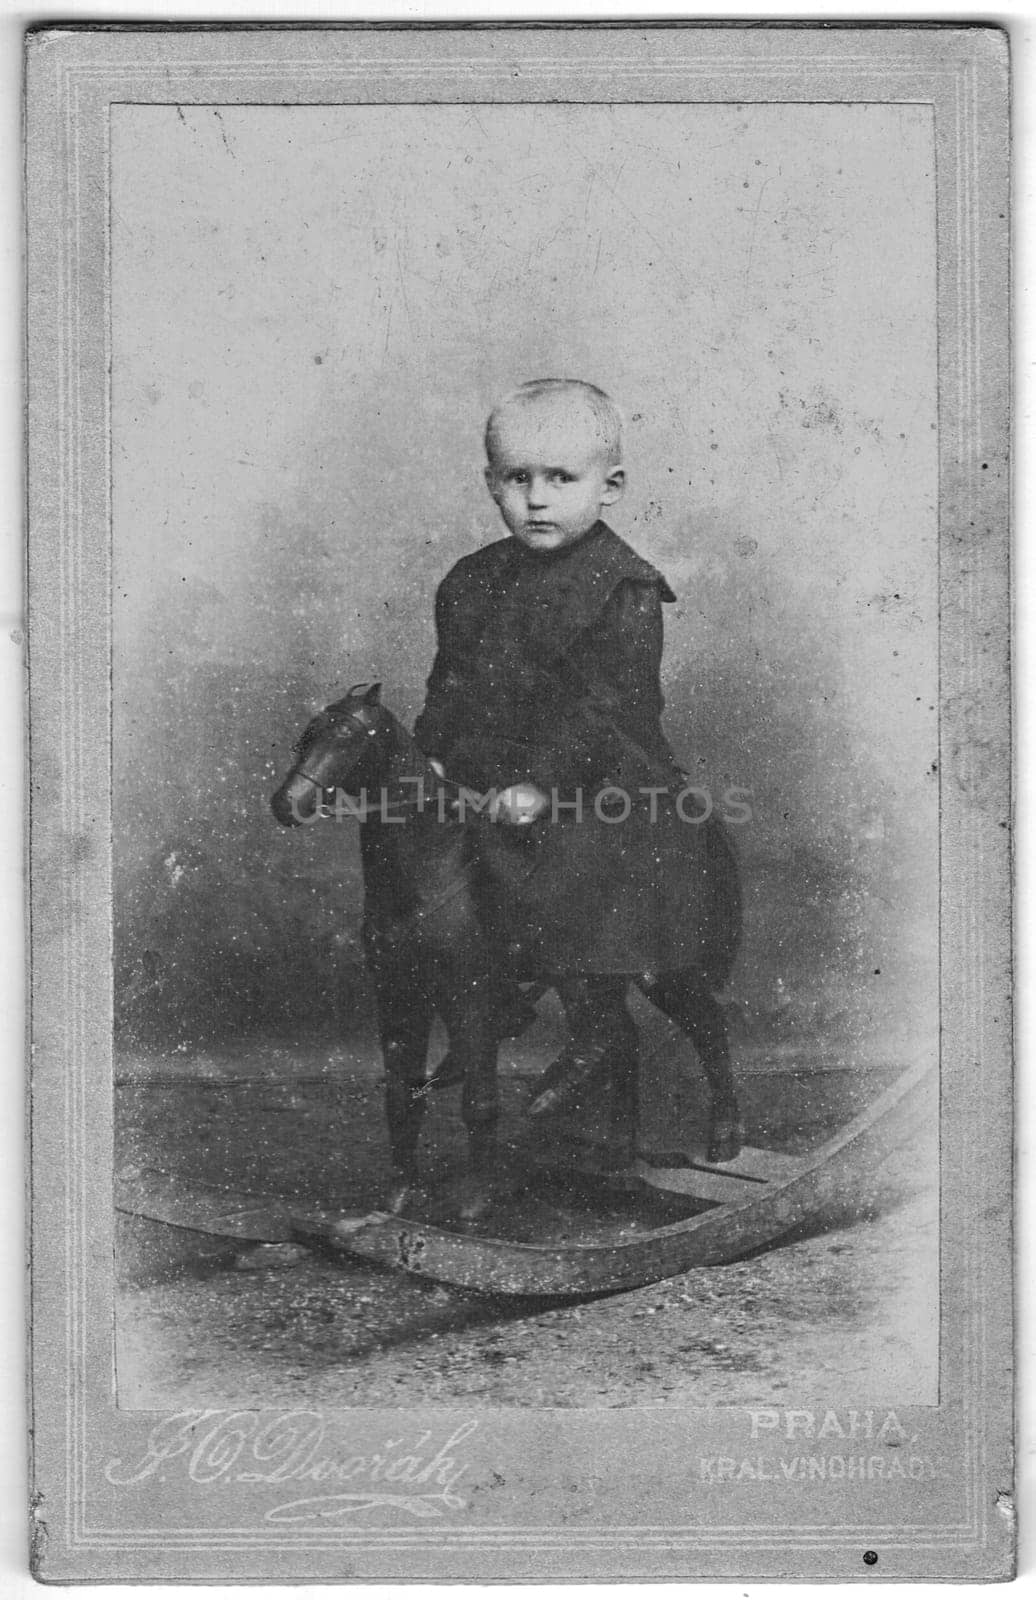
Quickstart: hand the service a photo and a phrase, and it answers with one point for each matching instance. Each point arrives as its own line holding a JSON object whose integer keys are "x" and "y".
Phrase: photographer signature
{"x": 413, "y": 1475}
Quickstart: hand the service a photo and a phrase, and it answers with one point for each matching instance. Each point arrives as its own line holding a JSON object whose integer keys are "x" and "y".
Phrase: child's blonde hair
{"x": 606, "y": 414}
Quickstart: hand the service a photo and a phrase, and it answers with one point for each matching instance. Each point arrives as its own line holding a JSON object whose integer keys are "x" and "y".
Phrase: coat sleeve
{"x": 610, "y": 675}
{"x": 430, "y": 729}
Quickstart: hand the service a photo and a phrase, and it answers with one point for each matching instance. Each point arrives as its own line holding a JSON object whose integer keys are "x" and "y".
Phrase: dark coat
{"x": 544, "y": 663}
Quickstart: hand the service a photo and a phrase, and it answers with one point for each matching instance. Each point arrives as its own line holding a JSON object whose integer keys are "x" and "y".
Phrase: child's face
{"x": 549, "y": 475}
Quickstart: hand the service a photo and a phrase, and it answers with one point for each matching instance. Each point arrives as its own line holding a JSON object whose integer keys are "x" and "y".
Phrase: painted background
{"x": 313, "y": 310}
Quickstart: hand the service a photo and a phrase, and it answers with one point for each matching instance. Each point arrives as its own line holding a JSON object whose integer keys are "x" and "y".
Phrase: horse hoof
{"x": 402, "y": 1194}
{"x": 447, "y": 1074}
{"x": 726, "y": 1140}
{"x": 476, "y": 1200}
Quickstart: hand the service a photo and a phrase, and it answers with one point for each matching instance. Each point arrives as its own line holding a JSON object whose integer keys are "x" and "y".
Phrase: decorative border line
{"x": 440, "y": 67}
{"x": 965, "y": 1532}
{"x": 72, "y": 432}
{"x": 691, "y": 1536}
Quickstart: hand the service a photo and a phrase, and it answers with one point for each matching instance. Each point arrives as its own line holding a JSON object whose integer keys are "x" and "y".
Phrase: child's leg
{"x": 602, "y": 1049}
{"x": 595, "y": 1010}
{"x": 604, "y": 1032}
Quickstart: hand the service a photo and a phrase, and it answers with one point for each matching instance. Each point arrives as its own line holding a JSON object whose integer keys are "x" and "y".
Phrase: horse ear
{"x": 369, "y": 693}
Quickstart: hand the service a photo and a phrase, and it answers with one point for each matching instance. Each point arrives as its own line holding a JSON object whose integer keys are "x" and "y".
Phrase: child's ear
{"x": 614, "y": 484}
{"x": 490, "y": 477}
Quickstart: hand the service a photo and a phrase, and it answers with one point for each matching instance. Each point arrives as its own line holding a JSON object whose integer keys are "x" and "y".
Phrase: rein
{"x": 442, "y": 794}
{"x": 401, "y": 808}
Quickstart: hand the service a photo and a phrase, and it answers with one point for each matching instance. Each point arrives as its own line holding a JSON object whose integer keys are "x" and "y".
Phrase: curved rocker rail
{"x": 802, "y": 1190}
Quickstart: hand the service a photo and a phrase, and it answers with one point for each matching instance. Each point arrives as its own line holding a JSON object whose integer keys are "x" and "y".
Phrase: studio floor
{"x": 849, "y": 1305}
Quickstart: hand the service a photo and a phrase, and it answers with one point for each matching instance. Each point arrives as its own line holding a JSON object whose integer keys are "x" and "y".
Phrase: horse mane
{"x": 404, "y": 757}
{"x": 404, "y": 746}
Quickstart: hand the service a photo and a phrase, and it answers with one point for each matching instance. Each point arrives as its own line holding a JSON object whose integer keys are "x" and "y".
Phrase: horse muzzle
{"x": 296, "y": 801}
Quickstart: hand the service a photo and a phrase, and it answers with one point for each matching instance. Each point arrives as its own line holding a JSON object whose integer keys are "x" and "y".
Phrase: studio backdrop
{"x": 313, "y": 310}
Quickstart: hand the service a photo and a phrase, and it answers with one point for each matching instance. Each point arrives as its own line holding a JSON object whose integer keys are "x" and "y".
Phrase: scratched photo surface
{"x": 313, "y": 310}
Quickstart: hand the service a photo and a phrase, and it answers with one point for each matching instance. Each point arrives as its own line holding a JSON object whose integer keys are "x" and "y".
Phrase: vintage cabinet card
{"x": 606, "y": 1171}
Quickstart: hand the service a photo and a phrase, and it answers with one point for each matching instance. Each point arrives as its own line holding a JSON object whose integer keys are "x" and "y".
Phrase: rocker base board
{"x": 750, "y": 1203}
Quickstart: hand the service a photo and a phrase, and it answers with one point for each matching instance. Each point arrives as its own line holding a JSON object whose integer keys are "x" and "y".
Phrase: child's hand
{"x": 519, "y": 805}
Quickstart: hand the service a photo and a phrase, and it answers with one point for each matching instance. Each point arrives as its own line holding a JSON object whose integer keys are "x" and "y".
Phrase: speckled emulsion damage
{"x": 277, "y": 281}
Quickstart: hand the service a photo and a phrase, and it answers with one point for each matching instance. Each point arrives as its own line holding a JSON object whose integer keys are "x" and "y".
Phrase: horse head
{"x": 336, "y": 746}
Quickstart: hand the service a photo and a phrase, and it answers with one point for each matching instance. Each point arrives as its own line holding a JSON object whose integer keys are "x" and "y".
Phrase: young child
{"x": 545, "y": 689}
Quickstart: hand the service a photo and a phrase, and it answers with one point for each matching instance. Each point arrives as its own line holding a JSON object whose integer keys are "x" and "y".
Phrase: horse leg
{"x": 405, "y": 1017}
{"x": 404, "y": 1052}
{"x": 685, "y": 997}
{"x": 624, "y": 1108}
{"x": 466, "y": 1003}
{"x": 604, "y": 1043}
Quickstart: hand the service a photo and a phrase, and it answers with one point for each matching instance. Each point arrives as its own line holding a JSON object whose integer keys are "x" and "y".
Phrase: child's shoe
{"x": 566, "y": 1073}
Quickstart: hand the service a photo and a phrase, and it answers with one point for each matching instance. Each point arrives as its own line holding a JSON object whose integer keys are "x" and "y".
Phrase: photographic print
{"x": 520, "y": 802}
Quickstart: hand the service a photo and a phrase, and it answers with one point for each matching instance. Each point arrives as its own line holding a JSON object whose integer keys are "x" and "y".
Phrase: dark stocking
{"x": 604, "y": 1037}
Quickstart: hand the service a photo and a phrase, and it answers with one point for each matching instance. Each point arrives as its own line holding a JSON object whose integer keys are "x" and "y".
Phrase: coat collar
{"x": 549, "y": 599}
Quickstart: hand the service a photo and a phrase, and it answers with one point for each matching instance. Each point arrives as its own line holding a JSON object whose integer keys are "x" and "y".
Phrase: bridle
{"x": 337, "y": 722}
{"x": 401, "y": 807}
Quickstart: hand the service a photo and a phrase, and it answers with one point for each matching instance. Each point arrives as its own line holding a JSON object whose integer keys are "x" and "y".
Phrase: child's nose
{"x": 537, "y": 491}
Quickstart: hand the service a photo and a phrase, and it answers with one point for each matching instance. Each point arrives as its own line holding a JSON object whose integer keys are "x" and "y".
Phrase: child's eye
{"x": 561, "y": 477}
{"x": 518, "y": 477}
